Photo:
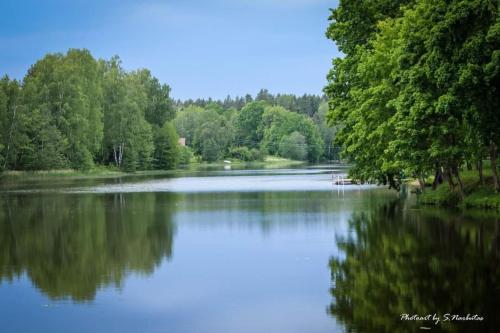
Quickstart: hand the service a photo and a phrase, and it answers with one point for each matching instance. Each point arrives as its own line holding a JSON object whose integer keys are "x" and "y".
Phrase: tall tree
{"x": 159, "y": 108}
{"x": 12, "y": 121}
{"x": 277, "y": 123}
{"x": 128, "y": 136}
{"x": 166, "y": 155}
{"x": 247, "y": 124}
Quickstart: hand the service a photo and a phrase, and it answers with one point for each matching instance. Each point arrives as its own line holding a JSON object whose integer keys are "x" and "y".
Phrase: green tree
{"x": 363, "y": 139}
{"x": 328, "y": 133}
{"x": 128, "y": 136}
{"x": 293, "y": 146}
{"x": 167, "y": 153}
{"x": 159, "y": 106}
{"x": 11, "y": 123}
{"x": 277, "y": 123}
{"x": 247, "y": 124}
{"x": 212, "y": 140}
{"x": 188, "y": 120}
{"x": 65, "y": 90}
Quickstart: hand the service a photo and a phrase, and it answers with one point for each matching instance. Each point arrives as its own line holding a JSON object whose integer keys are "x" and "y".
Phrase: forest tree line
{"x": 416, "y": 92}
{"x": 74, "y": 111}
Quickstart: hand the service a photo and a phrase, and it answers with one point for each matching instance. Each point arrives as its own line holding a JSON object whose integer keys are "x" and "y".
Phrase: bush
{"x": 246, "y": 154}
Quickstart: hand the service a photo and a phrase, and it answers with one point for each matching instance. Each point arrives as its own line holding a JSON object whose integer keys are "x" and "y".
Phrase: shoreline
{"x": 113, "y": 172}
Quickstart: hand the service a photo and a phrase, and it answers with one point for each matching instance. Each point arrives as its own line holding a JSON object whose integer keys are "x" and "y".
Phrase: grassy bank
{"x": 108, "y": 171}
{"x": 476, "y": 194}
{"x": 100, "y": 171}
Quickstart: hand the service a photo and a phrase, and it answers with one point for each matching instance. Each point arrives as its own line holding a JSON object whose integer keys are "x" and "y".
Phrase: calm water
{"x": 238, "y": 251}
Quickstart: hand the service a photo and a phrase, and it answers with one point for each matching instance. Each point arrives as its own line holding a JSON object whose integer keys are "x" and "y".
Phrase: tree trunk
{"x": 114, "y": 155}
{"x": 493, "y": 159}
{"x": 11, "y": 130}
{"x": 480, "y": 171}
{"x": 438, "y": 178}
{"x": 461, "y": 185}
{"x": 449, "y": 178}
{"x": 120, "y": 153}
{"x": 421, "y": 183}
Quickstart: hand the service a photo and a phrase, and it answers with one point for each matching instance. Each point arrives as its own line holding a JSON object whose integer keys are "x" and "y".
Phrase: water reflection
{"x": 398, "y": 261}
{"x": 71, "y": 246}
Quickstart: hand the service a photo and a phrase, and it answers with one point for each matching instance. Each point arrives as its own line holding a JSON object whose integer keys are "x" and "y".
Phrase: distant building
{"x": 182, "y": 141}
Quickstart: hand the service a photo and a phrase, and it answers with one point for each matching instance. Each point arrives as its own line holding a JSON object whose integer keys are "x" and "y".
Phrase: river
{"x": 269, "y": 250}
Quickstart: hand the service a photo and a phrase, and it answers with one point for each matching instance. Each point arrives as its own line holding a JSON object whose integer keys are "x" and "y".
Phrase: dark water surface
{"x": 239, "y": 251}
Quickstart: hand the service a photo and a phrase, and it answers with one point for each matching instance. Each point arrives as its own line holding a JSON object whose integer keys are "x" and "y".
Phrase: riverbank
{"x": 110, "y": 172}
{"x": 477, "y": 195}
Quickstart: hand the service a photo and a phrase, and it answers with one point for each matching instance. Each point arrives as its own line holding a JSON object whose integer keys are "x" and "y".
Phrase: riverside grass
{"x": 477, "y": 195}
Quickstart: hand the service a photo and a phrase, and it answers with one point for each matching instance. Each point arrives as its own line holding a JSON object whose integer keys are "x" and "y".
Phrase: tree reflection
{"x": 400, "y": 261}
{"x": 72, "y": 245}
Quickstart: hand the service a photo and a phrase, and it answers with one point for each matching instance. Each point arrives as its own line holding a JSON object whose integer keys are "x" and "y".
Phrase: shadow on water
{"x": 398, "y": 261}
{"x": 71, "y": 246}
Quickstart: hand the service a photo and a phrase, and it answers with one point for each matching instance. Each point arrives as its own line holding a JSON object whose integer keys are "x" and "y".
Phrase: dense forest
{"x": 74, "y": 111}
{"x": 416, "y": 92}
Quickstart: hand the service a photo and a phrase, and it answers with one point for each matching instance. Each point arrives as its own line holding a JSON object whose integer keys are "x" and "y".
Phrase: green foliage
{"x": 167, "y": 149}
{"x": 416, "y": 89}
{"x": 64, "y": 93}
{"x": 483, "y": 197}
{"x": 208, "y": 131}
{"x": 306, "y": 104}
{"x": 185, "y": 155}
{"x": 247, "y": 124}
{"x": 187, "y": 122}
{"x": 441, "y": 196}
{"x": 478, "y": 195}
{"x": 73, "y": 111}
{"x": 293, "y": 146}
{"x": 246, "y": 154}
{"x": 212, "y": 139}
{"x": 278, "y": 123}
{"x": 128, "y": 140}
{"x": 159, "y": 108}
{"x": 331, "y": 151}
{"x": 11, "y": 136}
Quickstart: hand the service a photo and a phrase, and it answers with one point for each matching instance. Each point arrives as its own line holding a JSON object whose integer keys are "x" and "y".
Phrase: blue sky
{"x": 208, "y": 48}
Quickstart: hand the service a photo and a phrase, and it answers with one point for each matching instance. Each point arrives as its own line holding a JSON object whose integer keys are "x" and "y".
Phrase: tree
{"x": 65, "y": 90}
{"x": 212, "y": 141}
{"x": 277, "y": 123}
{"x": 11, "y": 123}
{"x": 166, "y": 155}
{"x": 188, "y": 120}
{"x": 413, "y": 88}
{"x": 159, "y": 108}
{"x": 128, "y": 136}
{"x": 265, "y": 96}
{"x": 361, "y": 135}
{"x": 247, "y": 123}
{"x": 328, "y": 133}
{"x": 293, "y": 146}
